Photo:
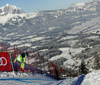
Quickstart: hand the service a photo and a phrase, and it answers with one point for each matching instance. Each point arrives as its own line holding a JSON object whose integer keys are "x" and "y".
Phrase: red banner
{"x": 5, "y": 64}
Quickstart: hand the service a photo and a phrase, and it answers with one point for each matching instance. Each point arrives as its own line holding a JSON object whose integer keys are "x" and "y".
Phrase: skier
{"x": 22, "y": 58}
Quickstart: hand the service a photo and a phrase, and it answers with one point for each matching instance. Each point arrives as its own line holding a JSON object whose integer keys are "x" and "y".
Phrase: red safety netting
{"x": 39, "y": 63}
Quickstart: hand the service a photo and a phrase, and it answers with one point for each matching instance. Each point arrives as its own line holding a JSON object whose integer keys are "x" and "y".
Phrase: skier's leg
{"x": 22, "y": 66}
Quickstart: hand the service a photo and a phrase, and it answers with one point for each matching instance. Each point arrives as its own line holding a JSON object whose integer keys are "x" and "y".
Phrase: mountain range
{"x": 59, "y": 34}
{"x": 15, "y": 20}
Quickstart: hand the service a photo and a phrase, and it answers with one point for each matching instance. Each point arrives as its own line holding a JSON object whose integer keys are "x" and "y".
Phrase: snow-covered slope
{"x": 16, "y": 78}
{"x": 91, "y": 26}
{"x": 67, "y": 53}
{"x": 13, "y": 78}
{"x": 92, "y": 78}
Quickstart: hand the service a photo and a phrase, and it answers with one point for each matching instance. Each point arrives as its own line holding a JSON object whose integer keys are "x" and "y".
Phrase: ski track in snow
{"x": 26, "y": 80}
{"x": 14, "y": 78}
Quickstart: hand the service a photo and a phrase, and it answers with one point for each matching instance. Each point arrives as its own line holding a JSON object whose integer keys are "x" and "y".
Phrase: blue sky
{"x": 40, "y": 5}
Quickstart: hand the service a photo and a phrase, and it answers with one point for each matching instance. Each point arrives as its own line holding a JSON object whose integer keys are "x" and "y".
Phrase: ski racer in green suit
{"x": 22, "y": 58}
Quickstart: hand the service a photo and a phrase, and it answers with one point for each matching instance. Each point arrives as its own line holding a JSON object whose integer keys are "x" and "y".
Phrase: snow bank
{"x": 16, "y": 78}
{"x": 92, "y": 78}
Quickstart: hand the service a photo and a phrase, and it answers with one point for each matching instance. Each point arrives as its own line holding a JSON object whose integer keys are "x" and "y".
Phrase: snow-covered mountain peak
{"x": 7, "y": 4}
{"x": 11, "y": 6}
{"x": 10, "y": 9}
{"x": 91, "y": 5}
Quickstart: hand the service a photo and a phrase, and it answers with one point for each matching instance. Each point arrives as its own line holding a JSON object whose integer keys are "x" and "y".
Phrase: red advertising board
{"x": 5, "y": 64}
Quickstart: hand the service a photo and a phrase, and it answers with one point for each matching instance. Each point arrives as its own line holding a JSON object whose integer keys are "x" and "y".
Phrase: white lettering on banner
{"x": 3, "y": 61}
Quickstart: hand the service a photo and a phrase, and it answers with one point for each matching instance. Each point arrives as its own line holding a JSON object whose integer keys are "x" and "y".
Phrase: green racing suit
{"x": 21, "y": 60}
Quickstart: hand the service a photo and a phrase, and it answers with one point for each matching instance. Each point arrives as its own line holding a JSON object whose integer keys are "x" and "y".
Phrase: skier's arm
{"x": 17, "y": 58}
{"x": 25, "y": 58}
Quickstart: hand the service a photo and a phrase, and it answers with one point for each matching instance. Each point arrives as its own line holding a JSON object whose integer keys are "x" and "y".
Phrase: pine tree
{"x": 96, "y": 62}
{"x": 82, "y": 68}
